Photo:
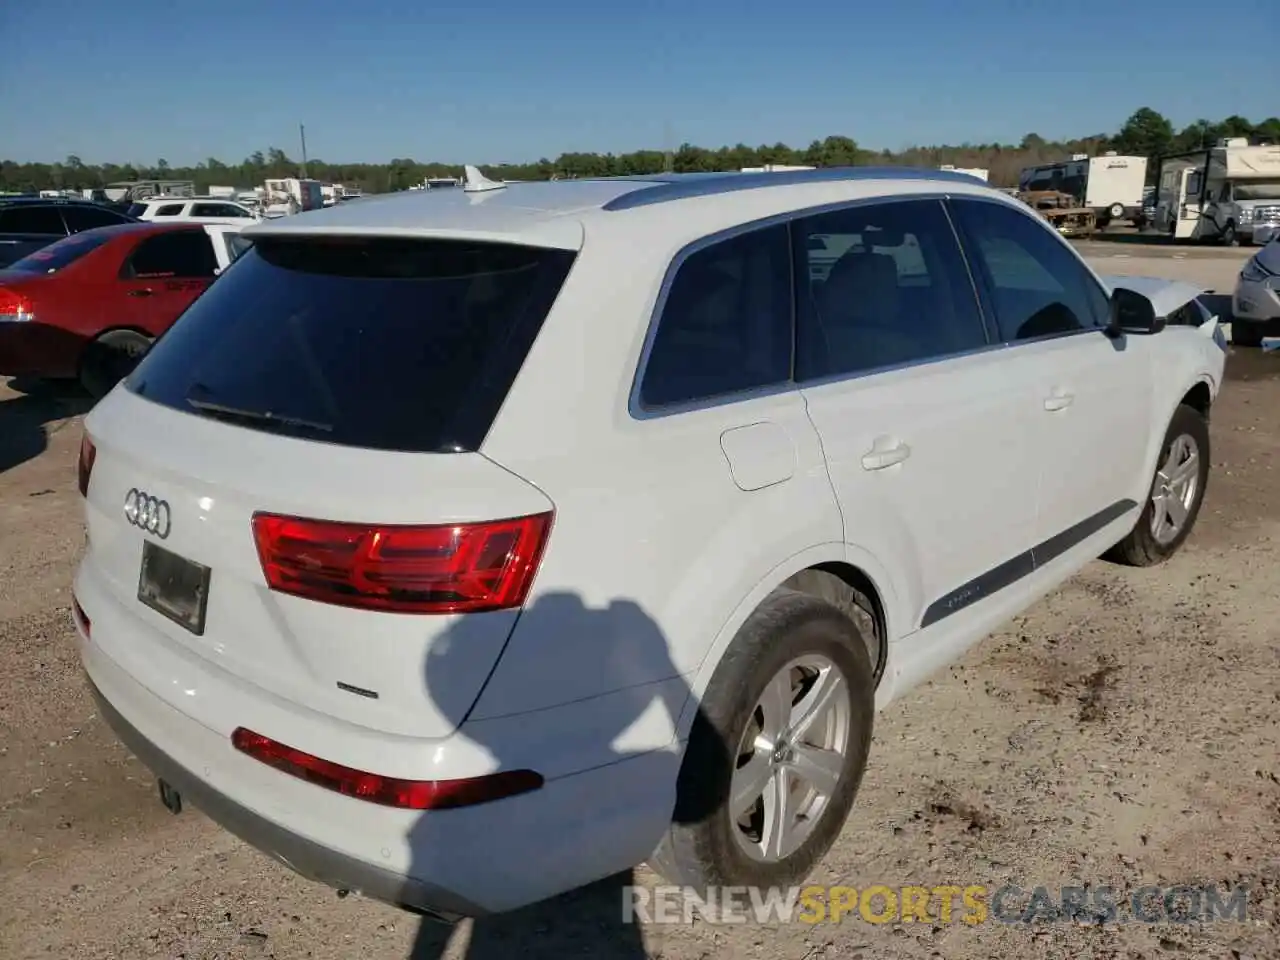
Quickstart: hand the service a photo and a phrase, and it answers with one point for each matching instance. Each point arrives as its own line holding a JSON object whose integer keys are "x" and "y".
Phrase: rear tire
{"x": 110, "y": 359}
{"x": 1229, "y": 236}
{"x": 1246, "y": 333}
{"x": 1176, "y": 493}
{"x": 1116, "y": 212}
{"x": 745, "y": 742}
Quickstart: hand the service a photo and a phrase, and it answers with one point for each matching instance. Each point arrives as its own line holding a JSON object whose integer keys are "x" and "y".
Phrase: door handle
{"x": 879, "y": 457}
{"x": 146, "y": 292}
{"x": 1058, "y": 400}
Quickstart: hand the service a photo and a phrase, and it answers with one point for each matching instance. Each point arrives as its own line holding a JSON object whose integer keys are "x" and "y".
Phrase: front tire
{"x": 1175, "y": 496}
{"x": 777, "y": 751}
{"x": 110, "y": 359}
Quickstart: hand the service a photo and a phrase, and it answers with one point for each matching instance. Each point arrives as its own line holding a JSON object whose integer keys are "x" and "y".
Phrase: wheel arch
{"x": 121, "y": 327}
{"x": 860, "y": 574}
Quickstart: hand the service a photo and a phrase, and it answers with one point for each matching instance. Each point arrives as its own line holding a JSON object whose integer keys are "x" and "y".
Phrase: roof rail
{"x": 476, "y": 182}
{"x": 668, "y": 187}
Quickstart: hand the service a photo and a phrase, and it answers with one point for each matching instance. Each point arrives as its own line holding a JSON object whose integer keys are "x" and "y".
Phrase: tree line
{"x": 1146, "y": 133}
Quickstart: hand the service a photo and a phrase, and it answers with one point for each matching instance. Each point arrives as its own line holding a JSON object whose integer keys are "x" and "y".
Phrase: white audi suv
{"x": 464, "y": 547}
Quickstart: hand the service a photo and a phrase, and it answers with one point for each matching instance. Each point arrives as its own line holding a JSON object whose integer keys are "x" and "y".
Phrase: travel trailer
{"x": 1109, "y": 185}
{"x": 980, "y": 172}
{"x": 1229, "y": 193}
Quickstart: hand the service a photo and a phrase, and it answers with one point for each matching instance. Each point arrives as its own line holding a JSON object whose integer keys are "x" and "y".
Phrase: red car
{"x": 89, "y": 306}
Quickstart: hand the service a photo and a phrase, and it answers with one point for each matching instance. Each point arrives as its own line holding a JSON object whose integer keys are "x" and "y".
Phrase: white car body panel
{"x": 243, "y": 216}
{"x": 669, "y": 531}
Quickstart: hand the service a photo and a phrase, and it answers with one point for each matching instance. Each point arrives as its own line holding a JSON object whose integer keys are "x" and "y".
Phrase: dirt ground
{"x": 1124, "y": 731}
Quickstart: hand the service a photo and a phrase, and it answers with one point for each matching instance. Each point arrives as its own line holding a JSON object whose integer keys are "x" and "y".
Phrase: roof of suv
{"x": 550, "y": 211}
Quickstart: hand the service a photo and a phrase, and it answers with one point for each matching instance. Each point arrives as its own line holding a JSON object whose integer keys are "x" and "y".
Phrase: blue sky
{"x": 513, "y": 80}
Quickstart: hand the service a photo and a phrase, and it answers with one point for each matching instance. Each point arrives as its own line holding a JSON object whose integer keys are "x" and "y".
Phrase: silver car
{"x": 1256, "y": 302}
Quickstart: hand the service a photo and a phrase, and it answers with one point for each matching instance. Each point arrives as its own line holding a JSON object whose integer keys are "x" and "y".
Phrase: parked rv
{"x": 1229, "y": 193}
{"x": 1110, "y": 185}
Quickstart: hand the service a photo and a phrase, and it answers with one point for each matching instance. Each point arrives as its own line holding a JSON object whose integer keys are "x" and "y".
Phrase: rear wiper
{"x": 258, "y": 416}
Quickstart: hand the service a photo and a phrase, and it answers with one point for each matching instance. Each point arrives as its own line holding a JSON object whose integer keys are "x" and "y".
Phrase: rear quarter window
{"x": 61, "y": 254}
{"x": 389, "y": 344}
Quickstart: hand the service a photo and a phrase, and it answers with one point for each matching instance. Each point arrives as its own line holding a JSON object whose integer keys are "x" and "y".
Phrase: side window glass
{"x": 1038, "y": 286}
{"x": 726, "y": 323}
{"x": 880, "y": 286}
{"x": 206, "y": 210}
{"x": 186, "y": 254}
{"x": 170, "y": 210}
{"x": 42, "y": 221}
{"x": 89, "y": 218}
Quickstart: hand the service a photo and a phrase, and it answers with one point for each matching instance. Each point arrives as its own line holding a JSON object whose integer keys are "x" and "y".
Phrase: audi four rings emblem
{"x": 147, "y": 512}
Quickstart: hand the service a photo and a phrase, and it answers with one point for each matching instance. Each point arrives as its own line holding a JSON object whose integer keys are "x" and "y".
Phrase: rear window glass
{"x": 59, "y": 255}
{"x": 136, "y": 210}
{"x": 387, "y": 344}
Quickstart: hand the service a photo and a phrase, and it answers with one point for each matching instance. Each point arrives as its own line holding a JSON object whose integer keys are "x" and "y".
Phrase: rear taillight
{"x": 88, "y": 453}
{"x": 15, "y": 307}
{"x": 388, "y": 791}
{"x": 454, "y": 568}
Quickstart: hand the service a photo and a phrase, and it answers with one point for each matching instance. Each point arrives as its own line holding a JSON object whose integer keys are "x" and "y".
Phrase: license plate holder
{"x": 174, "y": 587}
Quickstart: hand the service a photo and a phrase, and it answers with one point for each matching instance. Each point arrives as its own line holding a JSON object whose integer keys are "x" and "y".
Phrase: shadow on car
{"x": 25, "y": 418}
{"x": 620, "y": 641}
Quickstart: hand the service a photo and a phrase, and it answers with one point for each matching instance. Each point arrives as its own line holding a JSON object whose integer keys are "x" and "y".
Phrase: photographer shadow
{"x": 616, "y": 648}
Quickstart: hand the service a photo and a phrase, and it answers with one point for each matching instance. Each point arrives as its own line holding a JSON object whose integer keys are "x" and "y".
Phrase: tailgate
{"x": 363, "y": 666}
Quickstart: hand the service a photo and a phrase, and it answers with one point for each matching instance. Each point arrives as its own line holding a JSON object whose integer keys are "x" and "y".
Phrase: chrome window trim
{"x": 638, "y": 410}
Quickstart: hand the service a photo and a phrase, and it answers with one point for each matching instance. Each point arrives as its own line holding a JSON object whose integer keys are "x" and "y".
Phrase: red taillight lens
{"x": 388, "y": 791}
{"x": 459, "y": 568}
{"x": 88, "y": 453}
{"x": 15, "y": 307}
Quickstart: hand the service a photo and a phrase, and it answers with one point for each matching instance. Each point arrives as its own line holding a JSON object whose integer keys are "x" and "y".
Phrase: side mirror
{"x": 1131, "y": 312}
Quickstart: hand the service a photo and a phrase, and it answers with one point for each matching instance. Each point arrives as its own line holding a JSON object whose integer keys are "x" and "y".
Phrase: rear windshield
{"x": 136, "y": 210}
{"x": 379, "y": 343}
{"x": 61, "y": 254}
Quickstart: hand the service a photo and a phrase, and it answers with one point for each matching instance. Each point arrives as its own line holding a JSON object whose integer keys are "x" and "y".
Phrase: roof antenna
{"x": 476, "y": 182}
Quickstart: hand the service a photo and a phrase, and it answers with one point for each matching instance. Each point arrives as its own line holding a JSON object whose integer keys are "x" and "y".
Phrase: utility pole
{"x": 302, "y": 132}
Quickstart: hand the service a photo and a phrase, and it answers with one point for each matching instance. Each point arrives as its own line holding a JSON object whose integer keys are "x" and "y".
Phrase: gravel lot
{"x": 1124, "y": 731}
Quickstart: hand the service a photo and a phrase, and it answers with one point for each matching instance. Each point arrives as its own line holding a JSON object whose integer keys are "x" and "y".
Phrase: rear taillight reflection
{"x": 454, "y": 568}
{"x": 388, "y": 791}
{"x": 88, "y": 453}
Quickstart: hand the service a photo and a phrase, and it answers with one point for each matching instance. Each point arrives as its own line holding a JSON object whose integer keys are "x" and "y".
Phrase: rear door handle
{"x": 881, "y": 456}
{"x": 1059, "y": 400}
{"x": 141, "y": 293}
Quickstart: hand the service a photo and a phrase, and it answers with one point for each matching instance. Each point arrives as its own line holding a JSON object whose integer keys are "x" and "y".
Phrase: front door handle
{"x": 1058, "y": 400}
{"x": 885, "y": 454}
{"x": 145, "y": 292}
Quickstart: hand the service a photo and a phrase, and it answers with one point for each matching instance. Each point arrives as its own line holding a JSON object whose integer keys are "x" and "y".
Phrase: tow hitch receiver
{"x": 170, "y": 797}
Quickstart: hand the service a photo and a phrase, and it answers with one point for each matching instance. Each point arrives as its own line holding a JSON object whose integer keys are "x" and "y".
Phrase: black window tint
{"x": 184, "y": 253}
{"x": 377, "y": 343}
{"x": 726, "y": 323}
{"x": 42, "y": 221}
{"x": 170, "y": 210}
{"x": 216, "y": 210}
{"x": 89, "y": 218}
{"x": 136, "y": 210}
{"x": 887, "y": 285}
{"x": 1037, "y": 285}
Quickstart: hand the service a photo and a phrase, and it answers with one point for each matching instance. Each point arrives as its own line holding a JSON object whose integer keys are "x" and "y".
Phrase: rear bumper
{"x": 472, "y": 861}
{"x": 35, "y": 349}
{"x": 306, "y": 857}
